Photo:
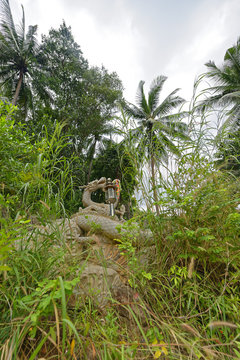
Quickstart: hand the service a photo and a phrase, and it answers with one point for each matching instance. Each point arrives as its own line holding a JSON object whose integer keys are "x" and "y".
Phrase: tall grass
{"x": 49, "y": 181}
{"x": 194, "y": 262}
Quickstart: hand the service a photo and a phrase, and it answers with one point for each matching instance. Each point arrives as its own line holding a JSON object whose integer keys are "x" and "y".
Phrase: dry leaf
{"x": 72, "y": 346}
{"x": 44, "y": 204}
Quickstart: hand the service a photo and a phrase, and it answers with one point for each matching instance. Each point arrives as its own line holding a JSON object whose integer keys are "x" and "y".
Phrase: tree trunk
{"x": 89, "y": 170}
{"x": 91, "y": 161}
{"x": 19, "y": 84}
{"x": 154, "y": 184}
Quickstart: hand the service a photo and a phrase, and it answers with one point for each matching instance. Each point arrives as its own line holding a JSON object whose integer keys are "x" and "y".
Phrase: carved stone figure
{"x": 100, "y": 208}
{"x": 93, "y": 234}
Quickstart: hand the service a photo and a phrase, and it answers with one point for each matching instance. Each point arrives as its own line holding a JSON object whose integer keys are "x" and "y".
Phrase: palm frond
{"x": 225, "y": 91}
{"x": 214, "y": 101}
{"x": 143, "y": 144}
{"x": 30, "y": 43}
{"x": 175, "y": 117}
{"x": 21, "y": 28}
{"x": 163, "y": 155}
{"x": 155, "y": 89}
{"x": 141, "y": 100}
{"x": 232, "y": 57}
{"x": 7, "y": 26}
{"x": 6, "y": 78}
{"x": 177, "y": 130}
{"x": 6, "y": 18}
{"x": 156, "y": 147}
{"x": 170, "y": 145}
{"x": 133, "y": 111}
{"x": 222, "y": 76}
{"x": 232, "y": 96}
{"x": 169, "y": 104}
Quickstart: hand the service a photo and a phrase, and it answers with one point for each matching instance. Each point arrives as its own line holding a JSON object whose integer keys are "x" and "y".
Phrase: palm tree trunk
{"x": 154, "y": 184}
{"x": 19, "y": 84}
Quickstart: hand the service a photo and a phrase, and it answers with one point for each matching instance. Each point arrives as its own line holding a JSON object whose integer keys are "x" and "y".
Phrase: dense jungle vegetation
{"x": 64, "y": 123}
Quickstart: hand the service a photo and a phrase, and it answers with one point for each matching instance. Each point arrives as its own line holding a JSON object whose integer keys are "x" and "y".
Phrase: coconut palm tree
{"x": 225, "y": 95}
{"x": 18, "y": 50}
{"x": 156, "y": 124}
{"x": 225, "y": 91}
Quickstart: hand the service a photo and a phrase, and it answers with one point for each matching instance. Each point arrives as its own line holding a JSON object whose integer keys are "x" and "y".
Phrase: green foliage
{"x": 131, "y": 233}
{"x": 194, "y": 262}
{"x": 228, "y": 150}
{"x": 10, "y": 232}
{"x": 36, "y": 176}
{"x": 61, "y": 58}
{"x": 49, "y": 179}
{"x": 6, "y": 239}
{"x": 16, "y": 150}
{"x": 35, "y": 298}
{"x": 186, "y": 275}
{"x": 182, "y": 264}
{"x": 46, "y": 294}
{"x": 205, "y": 213}
{"x": 85, "y": 98}
{"x": 54, "y": 84}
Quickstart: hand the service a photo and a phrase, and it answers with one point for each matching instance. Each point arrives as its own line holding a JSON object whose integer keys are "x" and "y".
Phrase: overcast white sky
{"x": 142, "y": 39}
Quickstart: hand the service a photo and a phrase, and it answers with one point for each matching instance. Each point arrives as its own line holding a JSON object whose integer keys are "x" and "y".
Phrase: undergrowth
{"x": 183, "y": 265}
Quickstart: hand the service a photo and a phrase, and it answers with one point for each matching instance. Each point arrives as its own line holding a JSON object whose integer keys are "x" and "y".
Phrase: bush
{"x": 34, "y": 174}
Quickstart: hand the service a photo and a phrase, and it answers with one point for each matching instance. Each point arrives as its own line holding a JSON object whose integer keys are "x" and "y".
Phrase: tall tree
{"x": 83, "y": 97}
{"x": 225, "y": 94}
{"x": 225, "y": 90}
{"x": 65, "y": 65}
{"x": 18, "y": 63}
{"x": 156, "y": 124}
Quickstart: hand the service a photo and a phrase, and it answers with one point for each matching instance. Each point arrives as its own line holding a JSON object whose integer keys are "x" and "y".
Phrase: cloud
{"x": 108, "y": 40}
{"x": 142, "y": 39}
{"x": 207, "y": 29}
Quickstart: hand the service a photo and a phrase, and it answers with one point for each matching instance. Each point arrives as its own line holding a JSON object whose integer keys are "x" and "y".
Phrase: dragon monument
{"x": 92, "y": 233}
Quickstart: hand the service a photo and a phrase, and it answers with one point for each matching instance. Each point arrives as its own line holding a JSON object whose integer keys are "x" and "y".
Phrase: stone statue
{"x": 93, "y": 235}
{"x": 100, "y": 208}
